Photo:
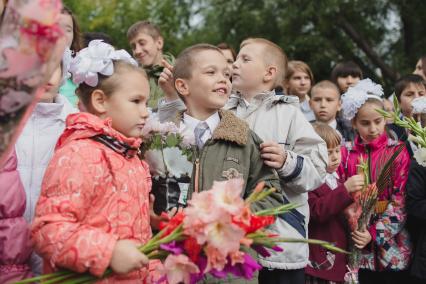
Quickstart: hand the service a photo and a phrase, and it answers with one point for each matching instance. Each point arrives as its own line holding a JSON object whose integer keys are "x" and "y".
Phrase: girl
{"x": 15, "y": 246}
{"x": 346, "y": 74}
{"x": 384, "y": 243}
{"x": 327, "y": 222}
{"x": 71, "y": 29}
{"x": 421, "y": 67}
{"x": 93, "y": 210}
{"x": 298, "y": 82}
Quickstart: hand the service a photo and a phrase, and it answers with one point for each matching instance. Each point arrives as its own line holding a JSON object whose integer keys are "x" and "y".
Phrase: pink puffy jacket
{"x": 15, "y": 246}
{"x": 92, "y": 195}
{"x": 390, "y": 247}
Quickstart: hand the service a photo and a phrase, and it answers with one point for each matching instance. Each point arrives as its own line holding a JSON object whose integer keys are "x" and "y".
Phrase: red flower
{"x": 172, "y": 224}
{"x": 192, "y": 248}
{"x": 256, "y": 223}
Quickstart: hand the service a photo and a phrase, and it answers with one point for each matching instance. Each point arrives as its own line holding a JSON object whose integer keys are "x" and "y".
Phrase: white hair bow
{"x": 97, "y": 58}
{"x": 419, "y": 105}
{"x": 357, "y": 95}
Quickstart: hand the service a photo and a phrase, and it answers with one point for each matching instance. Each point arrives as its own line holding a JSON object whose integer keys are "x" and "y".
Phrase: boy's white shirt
{"x": 191, "y": 123}
{"x": 331, "y": 180}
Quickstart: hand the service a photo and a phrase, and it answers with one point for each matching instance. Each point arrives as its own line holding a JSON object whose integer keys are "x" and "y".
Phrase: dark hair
{"x": 405, "y": 81}
{"x": 77, "y": 41}
{"x": 344, "y": 69}
{"x": 225, "y": 46}
{"x": 143, "y": 26}
{"x": 423, "y": 59}
{"x": 107, "y": 84}
{"x": 89, "y": 36}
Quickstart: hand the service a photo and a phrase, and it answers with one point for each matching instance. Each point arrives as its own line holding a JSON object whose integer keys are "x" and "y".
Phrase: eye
{"x": 210, "y": 72}
{"x": 136, "y": 101}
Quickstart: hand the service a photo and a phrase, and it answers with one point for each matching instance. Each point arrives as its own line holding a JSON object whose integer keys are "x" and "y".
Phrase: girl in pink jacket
{"x": 386, "y": 247}
{"x": 93, "y": 210}
{"x": 15, "y": 246}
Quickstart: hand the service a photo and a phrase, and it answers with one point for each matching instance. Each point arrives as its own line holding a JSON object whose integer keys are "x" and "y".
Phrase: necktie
{"x": 199, "y": 131}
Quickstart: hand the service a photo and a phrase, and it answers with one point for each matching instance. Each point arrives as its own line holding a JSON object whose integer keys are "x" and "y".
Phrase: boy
{"x": 407, "y": 88}
{"x": 147, "y": 43}
{"x": 292, "y": 147}
{"x": 346, "y": 74}
{"x": 325, "y": 102}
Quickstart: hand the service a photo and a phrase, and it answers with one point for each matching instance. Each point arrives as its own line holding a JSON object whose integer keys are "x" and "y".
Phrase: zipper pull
{"x": 197, "y": 173}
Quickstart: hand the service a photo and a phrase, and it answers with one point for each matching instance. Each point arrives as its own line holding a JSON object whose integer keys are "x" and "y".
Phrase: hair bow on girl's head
{"x": 97, "y": 58}
{"x": 357, "y": 95}
{"x": 419, "y": 105}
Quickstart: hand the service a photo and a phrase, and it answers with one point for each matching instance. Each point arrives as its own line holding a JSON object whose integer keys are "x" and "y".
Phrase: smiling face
{"x": 126, "y": 105}
{"x": 368, "y": 122}
{"x": 146, "y": 49}
{"x": 209, "y": 86}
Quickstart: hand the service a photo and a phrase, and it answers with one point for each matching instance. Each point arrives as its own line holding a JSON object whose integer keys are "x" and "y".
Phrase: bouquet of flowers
{"x": 211, "y": 236}
{"x": 366, "y": 202}
{"x": 417, "y": 132}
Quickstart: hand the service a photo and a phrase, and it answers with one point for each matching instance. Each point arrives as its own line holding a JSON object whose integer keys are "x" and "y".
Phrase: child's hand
{"x": 126, "y": 257}
{"x": 354, "y": 183}
{"x": 166, "y": 82}
{"x": 361, "y": 238}
{"x": 273, "y": 154}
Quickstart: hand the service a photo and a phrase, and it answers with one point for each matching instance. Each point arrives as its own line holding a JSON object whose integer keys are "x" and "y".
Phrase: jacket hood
{"x": 85, "y": 125}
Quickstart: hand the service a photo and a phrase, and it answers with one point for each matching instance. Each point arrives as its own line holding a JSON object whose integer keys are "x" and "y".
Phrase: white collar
{"x": 331, "y": 180}
{"x": 212, "y": 121}
{"x": 333, "y": 124}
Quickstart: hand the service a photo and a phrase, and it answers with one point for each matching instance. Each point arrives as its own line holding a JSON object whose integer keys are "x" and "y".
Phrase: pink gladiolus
{"x": 227, "y": 195}
{"x": 224, "y": 235}
{"x": 179, "y": 268}
{"x": 215, "y": 258}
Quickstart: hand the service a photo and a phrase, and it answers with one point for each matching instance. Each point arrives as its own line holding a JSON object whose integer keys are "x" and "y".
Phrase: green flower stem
{"x": 277, "y": 211}
{"x": 46, "y": 277}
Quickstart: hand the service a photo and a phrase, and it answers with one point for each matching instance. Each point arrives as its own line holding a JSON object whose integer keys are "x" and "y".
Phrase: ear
{"x": 99, "y": 102}
{"x": 160, "y": 43}
{"x": 339, "y": 106}
{"x": 270, "y": 74}
{"x": 182, "y": 87}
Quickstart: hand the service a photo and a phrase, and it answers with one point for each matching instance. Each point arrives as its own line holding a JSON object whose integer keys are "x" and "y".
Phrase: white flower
{"x": 357, "y": 95}
{"x": 420, "y": 156}
{"x": 96, "y": 58}
{"x": 176, "y": 162}
{"x": 419, "y": 105}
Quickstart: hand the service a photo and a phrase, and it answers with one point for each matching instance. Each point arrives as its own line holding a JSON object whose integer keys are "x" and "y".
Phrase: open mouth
{"x": 221, "y": 91}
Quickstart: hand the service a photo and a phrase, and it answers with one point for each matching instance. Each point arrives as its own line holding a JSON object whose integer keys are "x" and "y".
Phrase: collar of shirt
{"x": 213, "y": 121}
{"x": 333, "y": 124}
{"x": 331, "y": 180}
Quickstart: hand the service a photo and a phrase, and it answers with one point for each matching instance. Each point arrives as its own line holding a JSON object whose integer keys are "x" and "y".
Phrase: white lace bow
{"x": 419, "y": 105}
{"x": 97, "y": 58}
{"x": 357, "y": 95}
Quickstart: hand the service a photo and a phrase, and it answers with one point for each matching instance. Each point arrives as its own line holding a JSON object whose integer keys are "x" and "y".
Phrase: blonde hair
{"x": 146, "y": 27}
{"x": 272, "y": 55}
{"x": 294, "y": 66}
{"x": 331, "y": 137}
{"x": 325, "y": 84}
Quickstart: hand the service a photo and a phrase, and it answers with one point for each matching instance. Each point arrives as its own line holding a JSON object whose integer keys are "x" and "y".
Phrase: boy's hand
{"x": 166, "y": 82}
{"x": 354, "y": 183}
{"x": 126, "y": 257}
{"x": 361, "y": 238}
{"x": 273, "y": 154}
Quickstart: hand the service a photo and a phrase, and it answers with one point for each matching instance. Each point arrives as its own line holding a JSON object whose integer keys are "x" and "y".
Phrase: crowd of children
{"x": 76, "y": 192}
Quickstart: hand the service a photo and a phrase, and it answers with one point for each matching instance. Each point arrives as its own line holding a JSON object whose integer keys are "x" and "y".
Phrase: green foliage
{"x": 307, "y": 30}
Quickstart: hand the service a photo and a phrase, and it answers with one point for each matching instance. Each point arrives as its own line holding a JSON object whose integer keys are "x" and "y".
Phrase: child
{"x": 407, "y": 88}
{"x": 421, "y": 67}
{"x": 15, "y": 246}
{"x": 298, "y": 82}
{"x": 93, "y": 210}
{"x": 228, "y": 52}
{"x": 71, "y": 29}
{"x": 327, "y": 221}
{"x": 325, "y": 102}
{"x": 346, "y": 74}
{"x": 147, "y": 43}
{"x": 385, "y": 245}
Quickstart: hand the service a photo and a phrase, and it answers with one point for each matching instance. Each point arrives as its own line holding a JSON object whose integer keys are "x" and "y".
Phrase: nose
{"x": 322, "y": 103}
{"x": 144, "y": 111}
{"x": 137, "y": 49}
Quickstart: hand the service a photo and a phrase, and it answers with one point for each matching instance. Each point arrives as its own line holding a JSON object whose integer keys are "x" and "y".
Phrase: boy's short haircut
{"x": 273, "y": 55}
{"x": 325, "y": 84}
{"x": 331, "y": 137}
{"x": 225, "y": 46}
{"x": 294, "y": 66}
{"x": 145, "y": 27}
{"x": 405, "y": 81}
{"x": 184, "y": 63}
{"x": 345, "y": 69}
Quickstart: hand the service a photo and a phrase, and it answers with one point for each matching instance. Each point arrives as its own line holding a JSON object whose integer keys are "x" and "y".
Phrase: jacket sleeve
{"x": 261, "y": 172}
{"x": 307, "y": 153}
{"x": 58, "y": 233}
{"x": 392, "y": 220}
{"x": 167, "y": 111}
{"x": 416, "y": 191}
{"x": 322, "y": 208}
